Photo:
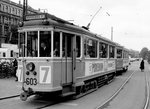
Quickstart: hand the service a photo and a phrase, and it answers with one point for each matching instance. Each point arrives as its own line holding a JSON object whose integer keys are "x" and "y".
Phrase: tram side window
{"x": 45, "y": 43}
{"x": 32, "y": 43}
{"x": 90, "y": 48}
{"x": 111, "y": 51}
{"x": 21, "y": 44}
{"x": 56, "y": 45}
{"x": 78, "y": 46}
{"x": 119, "y": 53}
{"x": 103, "y": 48}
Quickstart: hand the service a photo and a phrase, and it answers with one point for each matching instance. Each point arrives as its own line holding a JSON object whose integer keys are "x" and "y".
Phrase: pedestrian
{"x": 142, "y": 65}
{"x": 15, "y": 65}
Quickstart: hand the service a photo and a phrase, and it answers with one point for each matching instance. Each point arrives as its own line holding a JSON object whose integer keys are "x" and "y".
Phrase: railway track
{"x": 101, "y": 106}
{"x": 9, "y": 97}
{"x": 105, "y": 103}
{"x": 147, "y": 92}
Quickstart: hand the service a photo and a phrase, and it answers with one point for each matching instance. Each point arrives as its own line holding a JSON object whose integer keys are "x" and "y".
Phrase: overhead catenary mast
{"x": 25, "y": 6}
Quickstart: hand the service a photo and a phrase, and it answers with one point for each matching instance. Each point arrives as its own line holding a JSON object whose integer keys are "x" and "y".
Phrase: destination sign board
{"x": 36, "y": 17}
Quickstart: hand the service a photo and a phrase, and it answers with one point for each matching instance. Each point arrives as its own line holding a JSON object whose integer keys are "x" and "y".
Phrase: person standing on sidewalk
{"x": 142, "y": 65}
{"x": 15, "y": 65}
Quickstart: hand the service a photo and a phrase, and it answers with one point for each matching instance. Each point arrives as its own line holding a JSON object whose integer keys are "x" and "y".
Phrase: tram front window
{"x": 32, "y": 44}
{"x": 45, "y": 44}
{"x": 21, "y": 44}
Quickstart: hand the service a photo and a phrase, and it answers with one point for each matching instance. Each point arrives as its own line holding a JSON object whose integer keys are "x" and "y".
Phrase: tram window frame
{"x": 90, "y": 48}
{"x": 56, "y": 46}
{"x": 78, "y": 46}
{"x": 69, "y": 40}
{"x": 32, "y": 43}
{"x": 111, "y": 51}
{"x": 21, "y": 44}
{"x": 103, "y": 50}
{"x": 119, "y": 53}
{"x": 47, "y": 41}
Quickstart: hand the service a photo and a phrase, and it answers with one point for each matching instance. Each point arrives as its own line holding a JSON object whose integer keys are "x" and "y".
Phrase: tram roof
{"x": 45, "y": 19}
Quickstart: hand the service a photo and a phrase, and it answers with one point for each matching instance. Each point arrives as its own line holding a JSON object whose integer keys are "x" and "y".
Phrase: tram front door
{"x": 69, "y": 59}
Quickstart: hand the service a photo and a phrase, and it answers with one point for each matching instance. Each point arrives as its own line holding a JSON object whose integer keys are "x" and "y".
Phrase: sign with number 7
{"x": 45, "y": 74}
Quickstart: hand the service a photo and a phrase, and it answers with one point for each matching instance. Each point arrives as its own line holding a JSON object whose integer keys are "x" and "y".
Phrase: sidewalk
{"x": 9, "y": 87}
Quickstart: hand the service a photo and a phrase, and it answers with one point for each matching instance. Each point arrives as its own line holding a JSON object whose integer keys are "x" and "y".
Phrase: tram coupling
{"x": 24, "y": 95}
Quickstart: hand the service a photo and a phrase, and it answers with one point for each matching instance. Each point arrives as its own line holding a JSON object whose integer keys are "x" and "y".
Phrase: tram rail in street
{"x": 115, "y": 94}
{"x": 9, "y": 97}
{"x": 147, "y": 92}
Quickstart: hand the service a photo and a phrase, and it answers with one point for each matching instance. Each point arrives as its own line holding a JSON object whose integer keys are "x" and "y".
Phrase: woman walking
{"x": 142, "y": 65}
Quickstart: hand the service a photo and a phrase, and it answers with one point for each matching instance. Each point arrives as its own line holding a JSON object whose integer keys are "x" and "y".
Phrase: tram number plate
{"x": 31, "y": 81}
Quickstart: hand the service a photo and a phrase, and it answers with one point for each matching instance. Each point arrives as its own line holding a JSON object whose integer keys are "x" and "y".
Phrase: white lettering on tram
{"x": 45, "y": 74}
{"x": 92, "y": 68}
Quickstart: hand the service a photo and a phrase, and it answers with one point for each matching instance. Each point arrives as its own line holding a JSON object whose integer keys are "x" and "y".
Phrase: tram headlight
{"x": 30, "y": 66}
{"x": 27, "y": 73}
{"x": 34, "y": 73}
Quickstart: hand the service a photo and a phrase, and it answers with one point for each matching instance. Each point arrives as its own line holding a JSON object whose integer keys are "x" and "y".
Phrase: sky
{"x": 129, "y": 19}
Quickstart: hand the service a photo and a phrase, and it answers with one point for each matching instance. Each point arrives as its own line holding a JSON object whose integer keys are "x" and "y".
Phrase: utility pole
{"x": 111, "y": 33}
{"x": 111, "y": 28}
{"x": 25, "y": 6}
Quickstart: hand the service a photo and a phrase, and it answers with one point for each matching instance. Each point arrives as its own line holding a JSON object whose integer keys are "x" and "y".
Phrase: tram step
{"x": 68, "y": 93}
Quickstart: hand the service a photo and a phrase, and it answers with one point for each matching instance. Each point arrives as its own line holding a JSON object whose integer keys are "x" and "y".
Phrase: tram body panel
{"x": 48, "y": 76}
{"x": 95, "y": 68}
{"x": 125, "y": 62}
{"x": 119, "y": 64}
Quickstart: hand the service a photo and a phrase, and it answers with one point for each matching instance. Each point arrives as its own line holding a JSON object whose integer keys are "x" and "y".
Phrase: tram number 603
{"x": 31, "y": 81}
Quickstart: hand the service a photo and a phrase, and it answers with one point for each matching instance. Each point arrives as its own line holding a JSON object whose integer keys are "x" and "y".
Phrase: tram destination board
{"x": 35, "y": 16}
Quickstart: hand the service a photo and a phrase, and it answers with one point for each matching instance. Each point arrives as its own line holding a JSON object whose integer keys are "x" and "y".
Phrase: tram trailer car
{"x": 76, "y": 61}
{"x": 122, "y": 59}
{"x": 126, "y": 60}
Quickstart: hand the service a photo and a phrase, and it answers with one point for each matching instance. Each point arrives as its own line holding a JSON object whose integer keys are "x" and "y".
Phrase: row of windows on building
{"x": 11, "y": 9}
{"x": 9, "y": 20}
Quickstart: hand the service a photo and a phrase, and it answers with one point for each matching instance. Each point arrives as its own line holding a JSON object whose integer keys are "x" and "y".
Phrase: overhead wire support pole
{"x": 111, "y": 28}
{"x": 93, "y": 17}
{"x": 25, "y": 6}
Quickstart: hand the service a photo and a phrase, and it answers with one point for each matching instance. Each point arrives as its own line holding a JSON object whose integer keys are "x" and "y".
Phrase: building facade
{"x": 10, "y": 14}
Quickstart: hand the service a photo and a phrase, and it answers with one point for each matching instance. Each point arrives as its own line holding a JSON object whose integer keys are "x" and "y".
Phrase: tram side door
{"x": 69, "y": 59}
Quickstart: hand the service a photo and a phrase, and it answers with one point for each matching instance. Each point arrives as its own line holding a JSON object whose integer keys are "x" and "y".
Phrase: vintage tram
{"x": 75, "y": 61}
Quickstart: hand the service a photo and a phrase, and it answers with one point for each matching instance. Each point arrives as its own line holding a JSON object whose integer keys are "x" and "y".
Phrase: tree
{"x": 148, "y": 55}
{"x": 143, "y": 53}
